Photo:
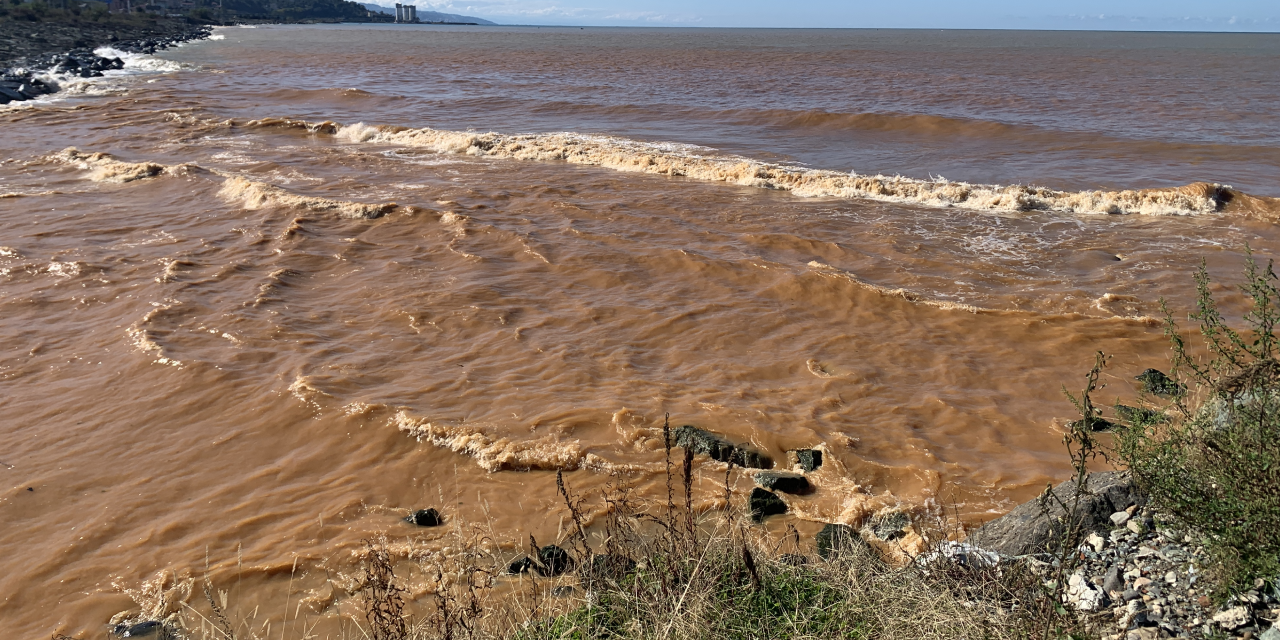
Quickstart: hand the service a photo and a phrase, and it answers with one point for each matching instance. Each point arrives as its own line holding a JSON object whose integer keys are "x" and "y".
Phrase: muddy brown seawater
{"x": 264, "y": 296}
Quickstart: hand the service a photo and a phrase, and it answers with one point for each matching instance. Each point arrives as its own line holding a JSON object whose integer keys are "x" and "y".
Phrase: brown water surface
{"x": 250, "y": 336}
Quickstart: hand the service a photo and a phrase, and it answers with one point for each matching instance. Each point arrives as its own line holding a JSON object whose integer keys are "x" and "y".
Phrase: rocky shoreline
{"x": 36, "y": 55}
{"x": 1139, "y": 577}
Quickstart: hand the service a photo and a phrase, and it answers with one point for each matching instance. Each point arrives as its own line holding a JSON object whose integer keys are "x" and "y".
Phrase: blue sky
{"x": 1179, "y": 15}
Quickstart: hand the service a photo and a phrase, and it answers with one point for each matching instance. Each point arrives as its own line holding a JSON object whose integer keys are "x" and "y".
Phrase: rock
{"x": 11, "y": 94}
{"x": 138, "y": 630}
{"x": 702, "y": 441}
{"x": 836, "y": 539}
{"x": 1170, "y": 578}
{"x": 521, "y": 565}
{"x": 1130, "y": 595}
{"x": 563, "y": 591}
{"x": 891, "y": 526}
{"x": 783, "y": 481}
{"x": 426, "y": 518}
{"x": 1028, "y": 530}
{"x": 553, "y": 561}
{"x": 1136, "y": 527}
{"x": 765, "y": 503}
{"x": 1119, "y": 518}
{"x": 1094, "y": 423}
{"x": 1143, "y": 633}
{"x": 1270, "y": 634}
{"x": 1096, "y": 541}
{"x": 1157, "y": 383}
{"x": 1112, "y": 582}
{"x": 1233, "y": 618}
{"x": 1141, "y": 582}
{"x": 1139, "y": 415}
{"x": 809, "y": 459}
{"x": 1083, "y": 595}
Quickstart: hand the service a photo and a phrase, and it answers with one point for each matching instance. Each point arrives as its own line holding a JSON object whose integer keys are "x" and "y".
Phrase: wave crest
{"x": 702, "y": 164}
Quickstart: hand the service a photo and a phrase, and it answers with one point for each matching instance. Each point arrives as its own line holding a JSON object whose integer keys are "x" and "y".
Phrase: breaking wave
{"x": 256, "y": 195}
{"x": 701, "y": 163}
{"x": 104, "y": 167}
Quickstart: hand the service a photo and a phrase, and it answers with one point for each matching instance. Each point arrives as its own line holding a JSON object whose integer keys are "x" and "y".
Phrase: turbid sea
{"x": 261, "y": 295}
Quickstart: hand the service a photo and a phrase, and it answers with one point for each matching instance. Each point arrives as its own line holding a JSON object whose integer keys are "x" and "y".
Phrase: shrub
{"x": 1215, "y": 465}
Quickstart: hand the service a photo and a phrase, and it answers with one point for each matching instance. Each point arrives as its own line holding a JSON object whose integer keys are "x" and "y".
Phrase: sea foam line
{"x": 623, "y": 154}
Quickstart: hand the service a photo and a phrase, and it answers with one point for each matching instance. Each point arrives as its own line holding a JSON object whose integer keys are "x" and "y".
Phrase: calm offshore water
{"x": 326, "y": 301}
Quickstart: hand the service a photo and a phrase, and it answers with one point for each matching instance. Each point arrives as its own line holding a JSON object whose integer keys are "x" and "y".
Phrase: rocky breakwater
{"x": 1136, "y": 576}
{"x": 43, "y": 74}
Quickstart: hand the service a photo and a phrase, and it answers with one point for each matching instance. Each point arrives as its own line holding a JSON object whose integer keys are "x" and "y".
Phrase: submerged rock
{"x": 1154, "y": 381}
{"x": 1095, "y": 424}
{"x": 138, "y": 630}
{"x": 426, "y": 518}
{"x": 809, "y": 459}
{"x": 553, "y": 561}
{"x": 1139, "y": 415}
{"x": 783, "y": 481}
{"x": 703, "y": 441}
{"x": 520, "y": 565}
{"x": 891, "y": 526}
{"x": 765, "y": 503}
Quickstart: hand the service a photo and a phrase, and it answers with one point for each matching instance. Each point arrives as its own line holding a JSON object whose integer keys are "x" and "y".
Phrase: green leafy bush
{"x": 1213, "y": 460}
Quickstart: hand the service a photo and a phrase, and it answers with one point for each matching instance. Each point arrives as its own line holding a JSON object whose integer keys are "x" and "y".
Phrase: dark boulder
{"x": 553, "y": 561}
{"x": 11, "y": 94}
{"x": 837, "y": 539}
{"x": 426, "y": 518}
{"x": 809, "y": 459}
{"x": 783, "y": 481}
{"x": 1094, "y": 423}
{"x": 1157, "y": 383}
{"x": 765, "y": 503}
{"x": 138, "y": 629}
{"x": 703, "y": 441}
{"x": 520, "y": 565}
{"x": 1029, "y": 530}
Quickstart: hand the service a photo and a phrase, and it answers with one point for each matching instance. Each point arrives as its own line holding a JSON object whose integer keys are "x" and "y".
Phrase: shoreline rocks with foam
{"x": 36, "y": 74}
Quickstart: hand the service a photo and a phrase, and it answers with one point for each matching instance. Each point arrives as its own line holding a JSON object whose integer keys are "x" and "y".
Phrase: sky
{"x": 1125, "y": 15}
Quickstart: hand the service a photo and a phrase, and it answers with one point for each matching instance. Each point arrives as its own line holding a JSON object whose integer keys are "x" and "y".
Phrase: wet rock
{"x": 138, "y": 630}
{"x": 553, "y": 561}
{"x": 1029, "y": 530}
{"x": 891, "y": 526}
{"x": 1094, "y": 423}
{"x": 11, "y": 95}
{"x": 426, "y": 518}
{"x": 765, "y": 503}
{"x": 1139, "y": 415}
{"x": 809, "y": 459}
{"x": 783, "y": 481}
{"x": 520, "y": 565}
{"x": 703, "y": 441}
{"x": 835, "y": 539}
{"x": 1157, "y": 383}
{"x": 563, "y": 591}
